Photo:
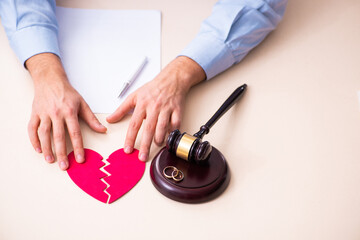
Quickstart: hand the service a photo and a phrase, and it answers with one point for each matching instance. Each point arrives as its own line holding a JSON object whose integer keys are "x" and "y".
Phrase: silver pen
{"x": 128, "y": 83}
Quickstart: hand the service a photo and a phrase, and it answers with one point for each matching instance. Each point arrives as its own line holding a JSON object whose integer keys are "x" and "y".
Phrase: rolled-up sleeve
{"x": 31, "y": 26}
{"x": 231, "y": 31}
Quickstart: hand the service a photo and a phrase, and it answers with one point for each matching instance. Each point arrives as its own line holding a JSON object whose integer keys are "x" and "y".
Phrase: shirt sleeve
{"x": 232, "y": 30}
{"x": 30, "y": 26}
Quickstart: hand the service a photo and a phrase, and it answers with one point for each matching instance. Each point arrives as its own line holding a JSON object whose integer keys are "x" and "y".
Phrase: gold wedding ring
{"x": 176, "y": 174}
{"x": 179, "y": 176}
{"x": 174, "y": 169}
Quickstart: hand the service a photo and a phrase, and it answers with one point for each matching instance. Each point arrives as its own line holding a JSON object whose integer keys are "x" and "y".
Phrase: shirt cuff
{"x": 213, "y": 55}
{"x": 31, "y": 41}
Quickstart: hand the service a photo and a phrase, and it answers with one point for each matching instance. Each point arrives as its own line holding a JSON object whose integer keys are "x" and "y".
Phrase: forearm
{"x": 185, "y": 72}
{"x": 46, "y": 68}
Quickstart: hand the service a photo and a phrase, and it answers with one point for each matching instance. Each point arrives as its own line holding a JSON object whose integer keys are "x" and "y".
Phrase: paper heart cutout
{"x": 125, "y": 172}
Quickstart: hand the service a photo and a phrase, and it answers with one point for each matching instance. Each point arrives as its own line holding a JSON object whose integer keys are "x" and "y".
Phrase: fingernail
{"x": 63, "y": 165}
{"x": 143, "y": 157}
{"x": 49, "y": 159}
{"x": 38, "y": 150}
{"x": 80, "y": 158}
{"x": 127, "y": 149}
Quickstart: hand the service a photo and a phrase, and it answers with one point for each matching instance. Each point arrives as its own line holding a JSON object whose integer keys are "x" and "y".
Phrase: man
{"x": 232, "y": 30}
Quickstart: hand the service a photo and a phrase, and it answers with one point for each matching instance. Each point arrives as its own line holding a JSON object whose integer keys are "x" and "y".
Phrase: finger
{"x": 33, "y": 133}
{"x": 175, "y": 120}
{"x": 60, "y": 144}
{"x": 76, "y": 138}
{"x": 122, "y": 110}
{"x": 89, "y": 117}
{"x": 44, "y": 133}
{"x": 133, "y": 129}
{"x": 162, "y": 127}
{"x": 147, "y": 136}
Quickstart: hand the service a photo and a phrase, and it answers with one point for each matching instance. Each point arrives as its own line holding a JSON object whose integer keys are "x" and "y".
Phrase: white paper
{"x": 101, "y": 49}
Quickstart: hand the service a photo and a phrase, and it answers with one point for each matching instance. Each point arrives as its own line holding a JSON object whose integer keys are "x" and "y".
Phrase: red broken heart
{"x": 125, "y": 171}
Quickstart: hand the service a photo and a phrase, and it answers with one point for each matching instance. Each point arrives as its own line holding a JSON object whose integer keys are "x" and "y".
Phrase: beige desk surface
{"x": 292, "y": 143}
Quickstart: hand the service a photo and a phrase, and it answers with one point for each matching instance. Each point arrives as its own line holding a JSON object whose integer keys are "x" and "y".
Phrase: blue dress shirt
{"x": 31, "y": 26}
{"x": 225, "y": 37}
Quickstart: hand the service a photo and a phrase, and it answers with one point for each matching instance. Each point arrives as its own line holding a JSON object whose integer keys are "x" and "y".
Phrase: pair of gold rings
{"x": 176, "y": 174}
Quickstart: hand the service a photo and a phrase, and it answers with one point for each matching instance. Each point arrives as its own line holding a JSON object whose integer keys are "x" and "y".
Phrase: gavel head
{"x": 188, "y": 147}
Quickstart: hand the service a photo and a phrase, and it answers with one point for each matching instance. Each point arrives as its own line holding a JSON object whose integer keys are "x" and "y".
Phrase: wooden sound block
{"x": 201, "y": 183}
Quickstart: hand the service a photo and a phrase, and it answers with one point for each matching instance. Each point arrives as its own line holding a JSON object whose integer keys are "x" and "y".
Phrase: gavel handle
{"x": 221, "y": 111}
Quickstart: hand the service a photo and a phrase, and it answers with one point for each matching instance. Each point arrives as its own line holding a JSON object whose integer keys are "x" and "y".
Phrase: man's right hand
{"x": 55, "y": 108}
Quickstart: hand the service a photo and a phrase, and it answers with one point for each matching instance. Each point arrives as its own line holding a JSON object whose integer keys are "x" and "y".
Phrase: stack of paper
{"x": 101, "y": 49}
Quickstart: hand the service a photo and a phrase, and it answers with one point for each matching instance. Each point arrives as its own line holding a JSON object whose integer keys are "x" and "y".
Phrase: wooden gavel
{"x": 191, "y": 147}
